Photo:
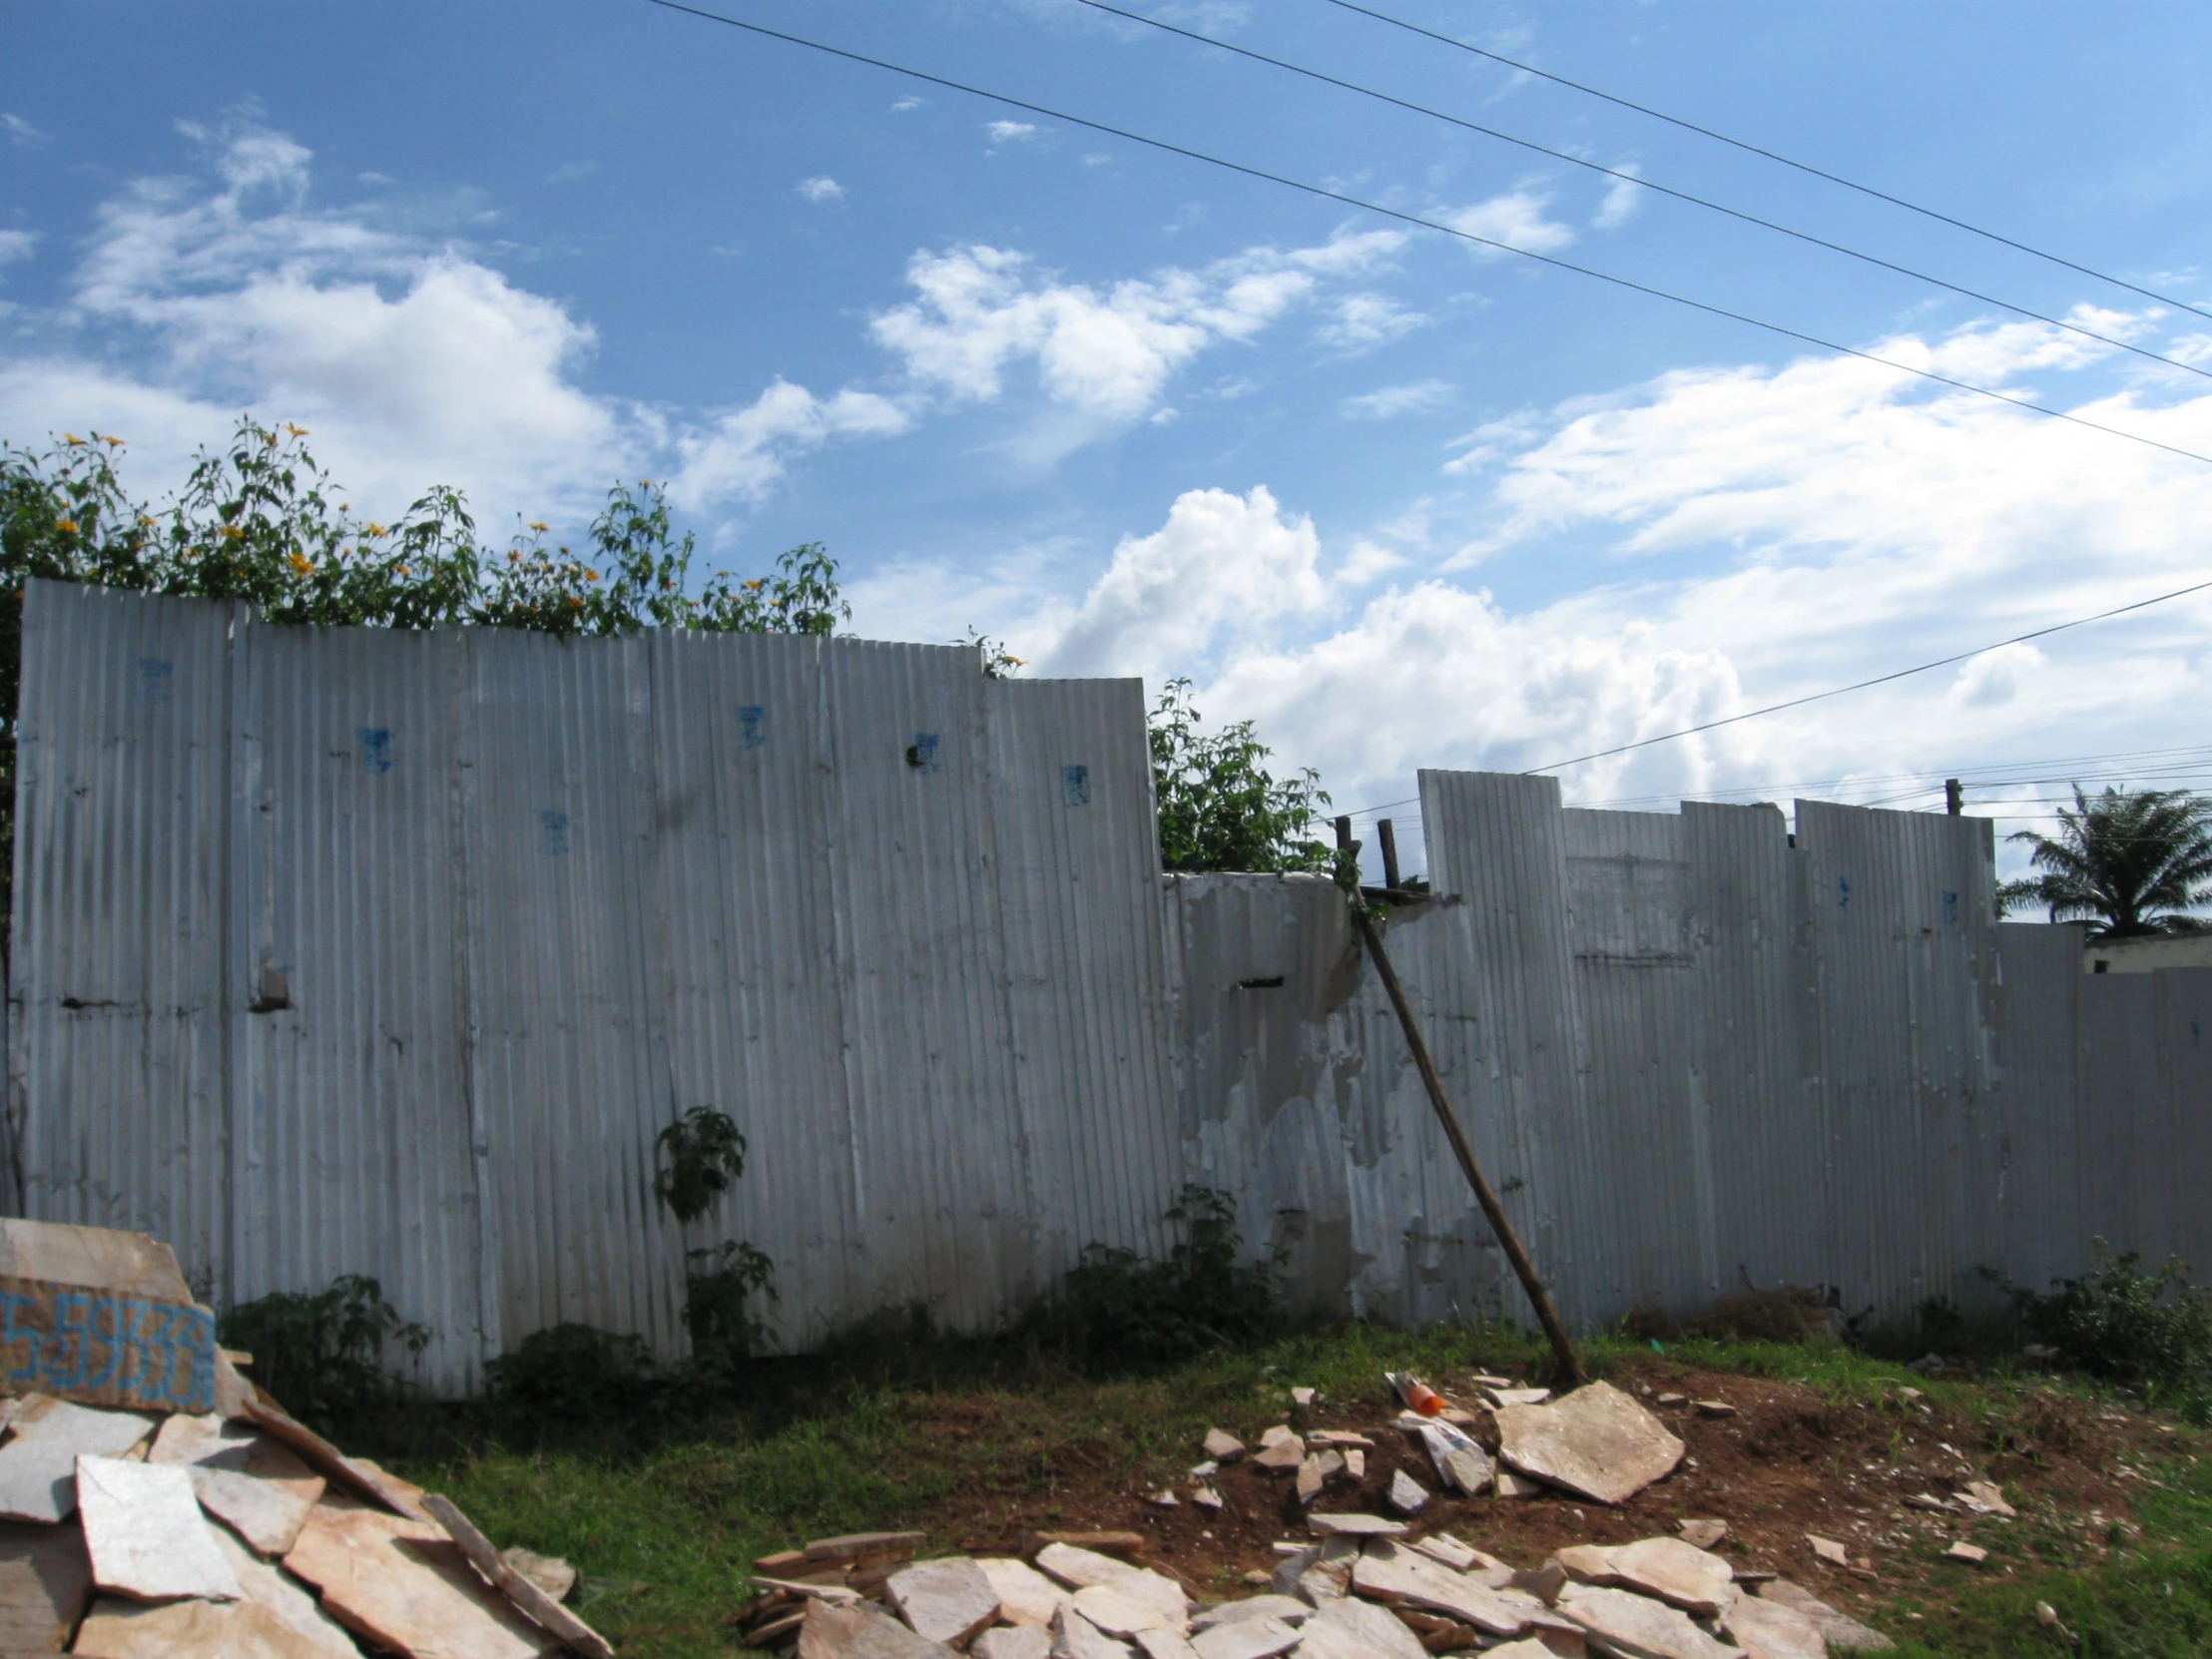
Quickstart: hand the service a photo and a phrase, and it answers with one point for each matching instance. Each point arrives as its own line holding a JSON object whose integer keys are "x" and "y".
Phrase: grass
{"x": 662, "y": 1518}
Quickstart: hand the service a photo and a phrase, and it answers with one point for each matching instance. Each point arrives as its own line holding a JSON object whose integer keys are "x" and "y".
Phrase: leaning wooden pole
{"x": 1571, "y": 1368}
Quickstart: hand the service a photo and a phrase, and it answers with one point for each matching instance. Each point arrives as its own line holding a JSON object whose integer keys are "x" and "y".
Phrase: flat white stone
{"x": 1014, "y": 1641}
{"x": 1163, "y": 1642}
{"x": 1277, "y": 1435}
{"x": 1350, "y": 1628}
{"x": 1510, "y": 1484}
{"x": 1837, "y": 1629}
{"x": 1119, "y": 1615}
{"x": 121, "y": 1629}
{"x": 1355, "y": 1526}
{"x": 1460, "y": 1461}
{"x": 1387, "y": 1572}
{"x": 1223, "y": 1446}
{"x": 1289, "y": 1609}
{"x": 1260, "y": 1638}
{"x": 1206, "y": 1497}
{"x": 1407, "y": 1495}
{"x": 860, "y": 1631}
{"x": 407, "y": 1586}
{"x": 1081, "y": 1569}
{"x": 1286, "y": 1454}
{"x": 1768, "y": 1630}
{"x": 945, "y": 1601}
{"x": 1356, "y": 1464}
{"x": 1596, "y": 1442}
{"x": 1442, "y": 1546}
{"x": 1703, "y": 1534}
{"x": 1636, "y": 1627}
{"x": 45, "y": 1584}
{"x": 1670, "y": 1569}
{"x": 1075, "y": 1637}
{"x": 145, "y": 1534}
{"x": 38, "y": 1465}
{"x": 286, "y": 1598}
{"x": 242, "y": 1478}
{"x": 1025, "y": 1595}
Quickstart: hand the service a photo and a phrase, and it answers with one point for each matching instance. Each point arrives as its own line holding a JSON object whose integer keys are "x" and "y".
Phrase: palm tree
{"x": 2131, "y": 861}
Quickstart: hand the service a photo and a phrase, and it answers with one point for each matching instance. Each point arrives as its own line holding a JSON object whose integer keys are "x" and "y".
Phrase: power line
{"x": 1772, "y": 156}
{"x": 1878, "y": 680}
{"x": 1326, "y": 194}
{"x": 1648, "y": 184}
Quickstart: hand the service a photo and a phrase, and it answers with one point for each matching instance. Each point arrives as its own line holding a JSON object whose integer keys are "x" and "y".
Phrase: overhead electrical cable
{"x": 1326, "y": 194}
{"x": 1774, "y": 156}
{"x": 1648, "y": 184}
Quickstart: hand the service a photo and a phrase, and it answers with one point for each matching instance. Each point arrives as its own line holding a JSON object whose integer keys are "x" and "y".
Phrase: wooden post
{"x": 1386, "y": 834}
{"x": 1955, "y": 797}
{"x": 1569, "y": 1366}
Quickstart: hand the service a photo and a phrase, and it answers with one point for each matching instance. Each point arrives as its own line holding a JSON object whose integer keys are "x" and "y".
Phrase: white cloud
{"x": 1622, "y": 198}
{"x": 1367, "y": 319}
{"x": 17, "y": 245}
{"x": 1416, "y": 398}
{"x": 820, "y": 189}
{"x": 905, "y": 103}
{"x": 1107, "y": 353}
{"x": 21, "y": 132}
{"x": 1007, "y": 132}
{"x": 1221, "y": 566}
{"x": 742, "y": 452}
{"x": 1516, "y": 220}
{"x": 568, "y": 172}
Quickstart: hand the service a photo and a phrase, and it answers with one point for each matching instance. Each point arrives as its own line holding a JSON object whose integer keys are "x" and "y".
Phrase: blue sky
{"x": 1403, "y": 501}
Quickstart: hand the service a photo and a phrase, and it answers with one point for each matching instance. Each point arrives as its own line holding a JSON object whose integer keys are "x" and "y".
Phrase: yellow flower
{"x": 756, "y": 584}
{"x": 233, "y": 532}
{"x": 113, "y": 442}
{"x": 513, "y": 558}
{"x": 539, "y": 528}
{"x": 73, "y": 440}
{"x": 295, "y": 432}
{"x": 67, "y": 526}
{"x": 378, "y": 530}
{"x": 300, "y": 564}
{"x": 143, "y": 519}
{"x": 575, "y": 604}
{"x": 590, "y": 575}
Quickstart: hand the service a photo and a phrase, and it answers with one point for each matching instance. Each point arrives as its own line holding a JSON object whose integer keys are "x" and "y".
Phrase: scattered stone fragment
{"x": 1222, "y": 1446}
{"x": 1289, "y": 1609}
{"x": 782, "y": 1564}
{"x": 1517, "y": 1397}
{"x": 1356, "y": 1464}
{"x": 1910, "y": 1397}
{"x": 1075, "y": 1637}
{"x": 1674, "y": 1400}
{"x": 1460, "y": 1463}
{"x": 1260, "y": 1638}
{"x": 1528, "y": 1647}
{"x": 857, "y": 1544}
{"x": 1768, "y": 1630}
{"x": 1014, "y": 1641}
{"x": 1387, "y": 1572}
{"x": 122, "y": 1629}
{"x": 1597, "y": 1442}
{"x": 552, "y": 1575}
{"x": 1702, "y": 1533}
{"x": 1279, "y": 1433}
{"x": 1356, "y": 1526}
{"x": 45, "y": 1583}
{"x": 1670, "y": 1569}
{"x": 1544, "y": 1582}
{"x": 946, "y": 1600}
{"x": 1202, "y": 1471}
{"x": 1206, "y": 1497}
{"x": 863, "y": 1631}
{"x": 1255, "y": 1577}
{"x": 1119, "y": 1615}
{"x": 1127, "y": 1545}
{"x": 242, "y": 1478}
{"x": 1407, "y": 1495}
{"x": 1302, "y": 1399}
{"x": 145, "y": 1534}
{"x": 1840, "y": 1630}
{"x": 1080, "y": 1569}
{"x": 1442, "y": 1546}
{"x": 1162, "y": 1642}
{"x": 406, "y": 1586}
{"x": 1637, "y": 1627}
{"x": 38, "y": 1465}
{"x": 1714, "y": 1409}
{"x": 1973, "y": 1555}
{"x": 541, "y": 1609}
{"x": 1025, "y": 1595}
{"x": 1310, "y": 1477}
{"x": 1285, "y": 1454}
{"x": 1164, "y": 1499}
{"x": 1339, "y": 1437}
{"x": 285, "y": 1597}
{"x": 1829, "y": 1550}
{"x": 1927, "y": 1501}
{"x": 1985, "y": 1497}
{"x": 1507, "y": 1483}
{"x": 1349, "y": 1628}
{"x": 1481, "y": 1381}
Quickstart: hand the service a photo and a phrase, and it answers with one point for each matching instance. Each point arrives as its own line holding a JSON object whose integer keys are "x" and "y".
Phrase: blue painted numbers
{"x": 1076, "y": 785}
{"x": 108, "y": 1350}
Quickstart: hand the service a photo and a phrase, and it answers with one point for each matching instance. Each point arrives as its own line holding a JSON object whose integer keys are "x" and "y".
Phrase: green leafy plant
{"x": 2119, "y": 1322}
{"x": 1116, "y": 1308}
{"x": 324, "y": 1354}
{"x": 2130, "y": 861}
{"x": 705, "y": 1155}
{"x": 570, "y": 1375}
{"x": 1219, "y": 806}
{"x": 720, "y": 1288}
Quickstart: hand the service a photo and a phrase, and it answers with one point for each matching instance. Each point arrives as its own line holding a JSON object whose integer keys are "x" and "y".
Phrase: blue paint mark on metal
{"x": 751, "y": 726}
{"x": 375, "y": 744}
{"x": 554, "y": 828}
{"x": 1950, "y": 909}
{"x": 921, "y": 754}
{"x": 154, "y": 677}
{"x": 1843, "y": 892}
{"x": 1076, "y": 785}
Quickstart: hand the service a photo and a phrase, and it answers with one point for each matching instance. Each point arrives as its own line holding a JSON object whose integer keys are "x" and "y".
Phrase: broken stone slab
{"x": 38, "y": 1465}
{"x": 1768, "y": 1630}
{"x": 1460, "y": 1461}
{"x": 359, "y": 1476}
{"x": 1407, "y": 1494}
{"x": 1206, "y": 1497}
{"x": 1289, "y": 1609}
{"x": 1286, "y": 1452}
{"x": 94, "y": 1257}
{"x": 535, "y": 1605}
{"x": 1310, "y": 1477}
{"x": 1082, "y": 1568}
{"x": 1544, "y": 1582}
{"x": 1260, "y": 1638}
{"x": 1164, "y": 1499}
{"x": 1670, "y": 1569}
{"x": 1442, "y": 1546}
{"x": 946, "y": 1600}
{"x": 1223, "y": 1446}
{"x": 1163, "y": 1643}
{"x": 1596, "y": 1442}
{"x": 1339, "y": 1437}
{"x": 45, "y": 1585}
{"x": 857, "y": 1544}
{"x": 1510, "y": 1484}
{"x": 1929, "y": 1500}
{"x": 1277, "y": 1435}
{"x": 1636, "y": 1627}
{"x": 1713, "y": 1407}
{"x": 1971, "y": 1554}
{"x": 122, "y": 1629}
{"x": 548, "y": 1572}
{"x": 263, "y": 1491}
{"x": 1356, "y": 1464}
{"x": 405, "y": 1586}
{"x": 1075, "y": 1637}
{"x": 1014, "y": 1641}
{"x": 285, "y": 1597}
{"x": 1516, "y": 1396}
{"x": 1127, "y": 1545}
{"x": 1829, "y": 1550}
{"x": 145, "y": 1534}
{"x": 863, "y": 1631}
{"x": 1837, "y": 1629}
{"x": 1350, "y": 1628}
{"x": 1355, "y": 1526}
{"x": 1302, "y": 1399}
{"x": 1025, "y": 1595}
{"x": 1119, "y": 1615}
{"x": 1528, "y": 1647}
{"x": 822, "y": 1590}
{"x": 1985, "y": 1497}
{"x": 1202, "y": 1471}
{"x": 1387, "y": 1572}
{"x": 1702, "y": 1533}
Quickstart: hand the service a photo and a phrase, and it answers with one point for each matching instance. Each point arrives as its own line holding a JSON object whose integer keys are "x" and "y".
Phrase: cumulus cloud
{"x": 1516, "y": 220}
{"x": 1363, "y": 320}
{"x": 21, "y": 132}
{"x": 17, "y": 245}
{"x": 740, "y": 453}
{"x": 1009, "y": 132}
{"x": 1622, "y": 198}
{"x": 1416, "y": 398}
{"x": 1106, "y": 352}
{"x": 821, "y": 190}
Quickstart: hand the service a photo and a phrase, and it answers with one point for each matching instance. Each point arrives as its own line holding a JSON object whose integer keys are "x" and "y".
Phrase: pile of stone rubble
{"x": 154, "y": 1503}
{"x": 1359, "y": 1586}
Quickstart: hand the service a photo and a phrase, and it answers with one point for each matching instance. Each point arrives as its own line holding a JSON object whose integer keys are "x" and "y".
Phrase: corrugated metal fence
{"x": 359, "y": 951}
